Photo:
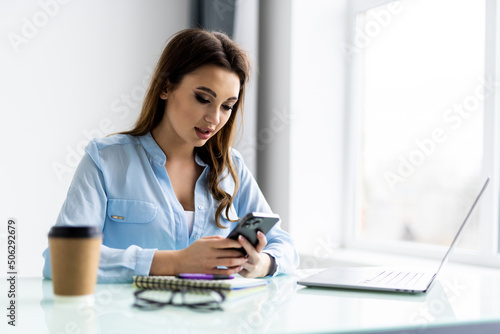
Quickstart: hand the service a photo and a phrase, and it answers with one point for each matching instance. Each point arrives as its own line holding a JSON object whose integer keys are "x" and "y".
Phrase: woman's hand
{"x": 202, "y": 256}
{"x": 258, "y": 263}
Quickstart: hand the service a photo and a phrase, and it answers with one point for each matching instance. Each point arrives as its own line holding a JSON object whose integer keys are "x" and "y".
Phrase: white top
{"x": 190, "y": 220}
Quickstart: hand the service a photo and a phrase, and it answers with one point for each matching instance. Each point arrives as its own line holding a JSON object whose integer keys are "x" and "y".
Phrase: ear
{"x": 164, "y": 94}
{"x": 166, "y": 88}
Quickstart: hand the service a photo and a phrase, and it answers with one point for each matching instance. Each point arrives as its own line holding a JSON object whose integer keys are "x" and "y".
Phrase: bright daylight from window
{"x": 421, "y": 103}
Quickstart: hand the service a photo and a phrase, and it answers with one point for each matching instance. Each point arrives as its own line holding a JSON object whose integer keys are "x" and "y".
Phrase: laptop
{"x": 391, "y": 279}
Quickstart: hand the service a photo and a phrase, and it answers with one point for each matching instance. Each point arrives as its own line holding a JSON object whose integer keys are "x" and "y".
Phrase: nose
{"x": 212, "y": 116}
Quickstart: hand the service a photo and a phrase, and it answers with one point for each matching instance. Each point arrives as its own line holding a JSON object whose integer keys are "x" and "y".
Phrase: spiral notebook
{"x": 159, "y": 291}
{"x": 178, "y": 284}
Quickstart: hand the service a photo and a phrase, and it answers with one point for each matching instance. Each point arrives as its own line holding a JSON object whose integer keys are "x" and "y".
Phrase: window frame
{"x": 489, "y": 254}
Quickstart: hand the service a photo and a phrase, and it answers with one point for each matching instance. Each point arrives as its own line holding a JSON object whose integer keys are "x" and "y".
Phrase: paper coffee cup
{"x": 74, "y": 256}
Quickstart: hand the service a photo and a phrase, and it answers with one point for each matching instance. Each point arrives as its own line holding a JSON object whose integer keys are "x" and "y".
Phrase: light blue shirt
{"x": 122, "y": 186}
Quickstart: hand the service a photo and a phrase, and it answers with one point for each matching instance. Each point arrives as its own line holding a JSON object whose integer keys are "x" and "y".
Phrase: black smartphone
{"x": 250, "y": 224}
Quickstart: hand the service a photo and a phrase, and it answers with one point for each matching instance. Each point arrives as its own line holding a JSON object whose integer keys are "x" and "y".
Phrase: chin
{"x": 200, "y": 143}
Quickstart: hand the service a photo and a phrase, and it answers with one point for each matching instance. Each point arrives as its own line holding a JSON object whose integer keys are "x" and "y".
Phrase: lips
{"x": 203, "y": 133}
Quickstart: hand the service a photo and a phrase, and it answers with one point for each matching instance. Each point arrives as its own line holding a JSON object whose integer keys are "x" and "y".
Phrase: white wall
{"x": 302, "y": 100}
{"x": 246, "y": 30}
{"x": 273, "y": 133}
{"x": 318, "y": 96}
{"x": 75, "y": 70}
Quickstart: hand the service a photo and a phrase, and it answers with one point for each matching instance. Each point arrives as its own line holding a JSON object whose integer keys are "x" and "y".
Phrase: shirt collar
{"x": 156, "y": 153}
{"x": 153, "y": 149}
{"x": 199, "y": 161}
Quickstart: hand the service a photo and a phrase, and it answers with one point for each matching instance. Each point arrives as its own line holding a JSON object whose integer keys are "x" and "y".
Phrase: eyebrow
{"x": 211, "y": 92}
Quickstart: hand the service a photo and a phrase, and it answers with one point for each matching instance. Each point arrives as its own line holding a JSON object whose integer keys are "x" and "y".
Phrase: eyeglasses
{"x": 200, "y": 300}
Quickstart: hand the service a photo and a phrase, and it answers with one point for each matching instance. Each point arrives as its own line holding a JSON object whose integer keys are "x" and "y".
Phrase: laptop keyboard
{"x": 394, "y": 278}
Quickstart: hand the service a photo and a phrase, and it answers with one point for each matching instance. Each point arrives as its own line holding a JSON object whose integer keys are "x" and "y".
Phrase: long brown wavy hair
{"x": 186, "y": 51}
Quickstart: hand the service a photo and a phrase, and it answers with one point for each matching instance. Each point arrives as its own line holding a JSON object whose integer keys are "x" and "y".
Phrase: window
{"x": 421, "y": 123}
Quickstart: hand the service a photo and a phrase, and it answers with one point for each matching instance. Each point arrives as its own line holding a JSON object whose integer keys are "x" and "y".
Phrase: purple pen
{"x": 203, "y": 276}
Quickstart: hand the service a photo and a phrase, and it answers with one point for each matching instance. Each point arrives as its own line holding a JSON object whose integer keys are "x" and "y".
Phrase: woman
{"x": 167, "y": 192}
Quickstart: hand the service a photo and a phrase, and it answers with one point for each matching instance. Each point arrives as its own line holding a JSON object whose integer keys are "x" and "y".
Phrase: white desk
{"x": 285, "y": 308}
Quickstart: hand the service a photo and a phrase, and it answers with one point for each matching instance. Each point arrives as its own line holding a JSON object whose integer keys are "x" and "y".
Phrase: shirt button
{"x": 196, "y": 236}
{"x": 200, "y": 207}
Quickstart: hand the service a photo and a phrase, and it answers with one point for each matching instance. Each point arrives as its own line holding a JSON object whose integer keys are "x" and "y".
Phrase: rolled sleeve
{"x": 144, "y": 260}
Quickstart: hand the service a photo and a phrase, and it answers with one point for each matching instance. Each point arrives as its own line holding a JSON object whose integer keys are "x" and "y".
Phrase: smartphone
{"x": 250, "y": 224}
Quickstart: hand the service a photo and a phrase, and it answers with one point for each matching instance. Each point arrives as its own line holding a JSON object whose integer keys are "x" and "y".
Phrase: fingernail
{"x": 240, "y": 238}
{"x": 260, "y": 234}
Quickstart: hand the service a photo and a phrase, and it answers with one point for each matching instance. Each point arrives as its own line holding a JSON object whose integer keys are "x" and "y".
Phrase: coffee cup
{"x": 74, "y": 256}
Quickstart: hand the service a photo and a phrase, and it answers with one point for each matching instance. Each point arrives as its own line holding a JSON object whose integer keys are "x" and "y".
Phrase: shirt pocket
{"x": 131, "y": 211}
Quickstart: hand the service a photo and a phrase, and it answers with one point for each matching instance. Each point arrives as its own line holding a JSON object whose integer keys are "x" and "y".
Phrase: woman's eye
{"x": 228, "y": 108}
{"x": 201, "y": 100}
